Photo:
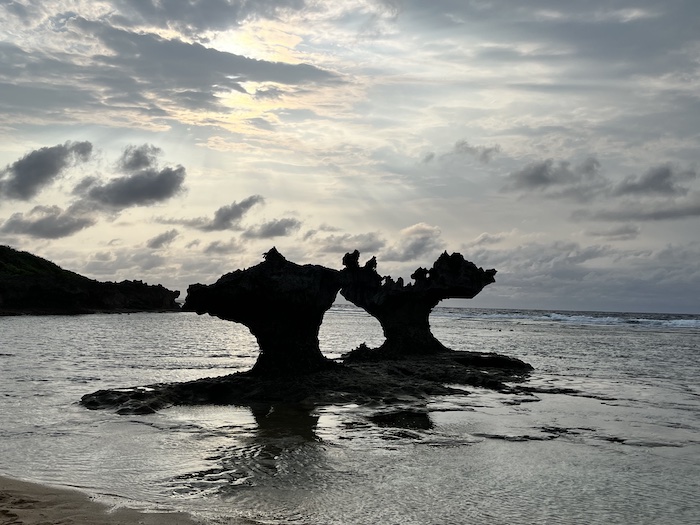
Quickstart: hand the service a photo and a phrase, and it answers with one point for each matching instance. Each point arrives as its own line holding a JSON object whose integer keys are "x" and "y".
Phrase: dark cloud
{"x": 26, "y": 177}
{"x": 116, "y": 73}
{"x": 141, "y": 189}
{"x": 137, "y": 158}
{"x": 195, "y": 16}
{"x": 416, "y": 242}
{"x": 225, "y": 218}
{"x": 364, "y": 242}
{"x": 274, "y": 228}
{"x": 660, "y": 180}
{"x": 48, "y": 222}
{"x": 560, "y": 179}
{"x": 144, "y": 184}
{"x": 162, "y": 240}
{"x": 188, "y": 66}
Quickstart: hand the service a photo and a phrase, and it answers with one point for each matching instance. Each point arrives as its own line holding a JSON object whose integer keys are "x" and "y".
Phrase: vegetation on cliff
{"x": 32, "y": 285}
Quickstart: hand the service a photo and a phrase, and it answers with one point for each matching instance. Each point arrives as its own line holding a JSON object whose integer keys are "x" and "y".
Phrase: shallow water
{"x": 624, "y": 447}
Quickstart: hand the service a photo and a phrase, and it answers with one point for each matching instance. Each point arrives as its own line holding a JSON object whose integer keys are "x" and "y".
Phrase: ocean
{"x": 609, "y": 433}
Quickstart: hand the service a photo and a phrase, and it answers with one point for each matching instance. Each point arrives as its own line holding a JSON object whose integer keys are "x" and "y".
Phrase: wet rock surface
{"x": 385, "y": 381}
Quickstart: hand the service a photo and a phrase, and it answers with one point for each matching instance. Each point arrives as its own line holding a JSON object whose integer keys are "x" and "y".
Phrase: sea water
{"x": 611, "y": 433}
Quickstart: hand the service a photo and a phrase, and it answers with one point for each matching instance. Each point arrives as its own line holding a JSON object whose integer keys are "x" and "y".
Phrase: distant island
{"x": 30, "y": 285}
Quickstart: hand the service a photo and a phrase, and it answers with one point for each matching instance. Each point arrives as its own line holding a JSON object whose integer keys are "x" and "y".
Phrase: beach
{"x": 33, "y": 504}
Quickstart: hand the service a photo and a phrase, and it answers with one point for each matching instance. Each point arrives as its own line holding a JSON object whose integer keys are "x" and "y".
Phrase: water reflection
{"x": 284, "y": 422}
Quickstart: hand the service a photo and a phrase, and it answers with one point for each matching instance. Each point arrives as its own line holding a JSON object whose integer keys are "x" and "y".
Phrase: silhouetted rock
{"x": 376, "y": 383}
{"x": 403, "y": 310}
{"x": 32, "y": 285}
{"x": 282, "y": 303}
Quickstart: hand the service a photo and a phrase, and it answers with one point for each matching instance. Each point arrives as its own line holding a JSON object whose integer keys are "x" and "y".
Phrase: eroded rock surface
{"x": 403, "y": 310}
{"x": 282, "y": 303}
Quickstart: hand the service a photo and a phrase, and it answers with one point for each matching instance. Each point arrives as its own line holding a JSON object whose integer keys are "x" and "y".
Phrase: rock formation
{"x": 403, "y": 310}
{"x": 32, "y": 285}
{"x": 282, "y": 303}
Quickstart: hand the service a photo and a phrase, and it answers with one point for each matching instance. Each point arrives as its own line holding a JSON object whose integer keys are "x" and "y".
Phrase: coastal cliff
{"x": 35, "y": 286}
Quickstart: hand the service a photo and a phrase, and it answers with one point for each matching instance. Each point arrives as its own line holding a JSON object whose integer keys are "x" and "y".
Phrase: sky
{"x": 173, "y": 141}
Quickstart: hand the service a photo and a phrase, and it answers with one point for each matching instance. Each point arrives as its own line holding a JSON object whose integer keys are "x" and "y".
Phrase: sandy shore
{"x": 31, "y": 504}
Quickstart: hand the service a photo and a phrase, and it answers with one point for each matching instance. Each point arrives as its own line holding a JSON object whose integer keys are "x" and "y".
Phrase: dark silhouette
{"x": 403, "y": 310}
{"x": 32, "y": 285}
{"x": 282, "y": 303}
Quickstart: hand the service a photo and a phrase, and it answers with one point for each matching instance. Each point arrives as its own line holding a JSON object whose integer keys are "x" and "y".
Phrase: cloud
{"x": 48, "y": 222}
{"x": 227, "y": 217}
{"x": 137, "y": 158}
{"x": 481, "y": 153}
{"x": 657, "y": 211}
{"x": 26, "y": 177}
{"x": 490, "y": 238}
{"x": 140, "y": 189}
{"x": 624, "y": 232}
{"x": 271, "y": 93}
{"x": 113, "y": 263}
{"x": 564, "y": 274}
{"x": 186, "y": 66}
{"x": 555, "y": 180}
{"x": 659, "y": 180}
{"x": 274, "y": 228}
{"x": 197, "y": 16}
{"x": 223, "y": 248}
{"x": 461, "y": 148}
{"x": 364, "y": 242}
{"x": 416, "y": 241}
{"x": 144, "y": 184}
{"x": 162, "y": 240}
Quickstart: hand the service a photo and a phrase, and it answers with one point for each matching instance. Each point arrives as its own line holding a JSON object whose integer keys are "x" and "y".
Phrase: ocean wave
{"x": 663, "y": 321}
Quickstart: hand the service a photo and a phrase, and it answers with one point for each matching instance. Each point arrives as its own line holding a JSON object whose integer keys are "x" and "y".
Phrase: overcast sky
{"x": 176, "y": 140}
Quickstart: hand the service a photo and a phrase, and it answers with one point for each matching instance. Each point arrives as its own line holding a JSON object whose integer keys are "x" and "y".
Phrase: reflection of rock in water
{"x": 284, "y": 421}
{"x": 281, "y": 449}
{"x": 413, "y": 419}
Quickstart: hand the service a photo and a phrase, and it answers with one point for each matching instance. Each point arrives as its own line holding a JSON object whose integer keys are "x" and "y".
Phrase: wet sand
{"x": 32, "y": 504}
